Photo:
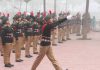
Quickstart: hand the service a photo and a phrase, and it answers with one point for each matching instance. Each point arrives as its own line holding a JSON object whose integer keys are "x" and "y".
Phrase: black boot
{"x": 9, "y": 65}
{"x": 1, "y": 54}
{"x": 28, "y": 56}
{"x": 19, "y": 60}
{"x": 23, "y": 48}
{"x": 35, "y": 52}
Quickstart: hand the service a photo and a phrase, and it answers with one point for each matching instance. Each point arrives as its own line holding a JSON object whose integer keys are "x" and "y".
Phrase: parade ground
{"x": 73, "y": 54}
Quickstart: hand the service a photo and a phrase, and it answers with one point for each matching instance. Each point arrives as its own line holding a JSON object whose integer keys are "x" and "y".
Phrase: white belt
{"x": 45, "y": 40}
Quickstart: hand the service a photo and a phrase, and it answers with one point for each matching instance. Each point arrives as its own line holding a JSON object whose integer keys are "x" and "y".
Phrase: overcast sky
{"x": 72, "y": 5}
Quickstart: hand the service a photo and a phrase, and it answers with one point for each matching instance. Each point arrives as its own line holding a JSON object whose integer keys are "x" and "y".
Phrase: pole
{"x": 87, "y": 6}
{"x": 26, "y": 6}
{"x": 20, "y": 4}
{"x": 66, "y": 5}
{"x": 44, "y": 5}
{"x": 55, "y": 6}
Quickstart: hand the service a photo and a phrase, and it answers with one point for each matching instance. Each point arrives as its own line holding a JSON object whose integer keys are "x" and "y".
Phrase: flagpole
{"x": 66, "y": 5}
{"x": 55, "y": 6}
{"x": 87, "y": 6}
{"x": 26, "y": 6}
{"x": 20, "y": 4}
{"x": 44, "y": 5}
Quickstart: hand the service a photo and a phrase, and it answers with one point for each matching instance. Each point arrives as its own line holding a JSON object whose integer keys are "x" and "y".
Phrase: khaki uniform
{"x": 27, "y": 45}
{"x": 18, "y": 39}
{"x": 64, "y": 33}
{"x": 46, "y": 50}
{"x": 36, "y": 35}
{"x": 68, "y": 29}
{"x": 78, "y": 24}
{"x": 60, "y": 31}
{"x": 35, "y": 43}
{"x": 18, "y": 46}
{"x": 7, "y": 52}
{"x": 85, "y": 25}
{"x": 54, "y": 33}
{"x": 74, "y": 24}
{"x": 1, "y": 48}
{"x": 7, "y": 40}
{"x": 60, "y": 35}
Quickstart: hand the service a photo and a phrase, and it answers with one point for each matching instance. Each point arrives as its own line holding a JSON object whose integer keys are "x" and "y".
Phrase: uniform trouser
{"x": 2, "y": 52}
{"x": 1, "y": 48}
{"x": 78, "y": 28}
{"x": 74, "y": 28}
{"x": 7, "y": 52}
{"x": 60, "y": 35}
{"x": 85, "y": 31}
{"x": 14, "y": 44}
{"x": 54, "y": 36}
{"x": 27, "y": 45}
{"x": 18, "y": 46}
{"x": 67, "y": 31}
{"x": 46, "y": 50}
{"x": 35, "y": 42}
{"x": 23, "y": 42}
{"x": 64, "y": 33}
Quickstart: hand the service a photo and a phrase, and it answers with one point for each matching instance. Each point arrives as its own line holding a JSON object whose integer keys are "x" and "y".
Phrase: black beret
{"x": 4, "y": 19}
{"x": 48, "y": 17}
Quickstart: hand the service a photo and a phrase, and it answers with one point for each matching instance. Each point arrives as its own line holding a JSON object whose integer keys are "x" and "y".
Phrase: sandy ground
{"x": 74, "y": 55}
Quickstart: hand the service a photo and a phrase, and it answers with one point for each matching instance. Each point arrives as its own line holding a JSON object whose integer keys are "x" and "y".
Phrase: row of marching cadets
{"x": 24, "y": 32}
{"x": 27, "y": 30}
{"x": 76, "y": 24}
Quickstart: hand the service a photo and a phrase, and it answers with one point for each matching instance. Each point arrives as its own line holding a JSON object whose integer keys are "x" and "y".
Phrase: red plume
{"x": 8, "y": 15}
{"x": 25, "y": 13}
{"x": 32, "y": 13}
{"x": 38, "y": 14}
{"x": 3, "y": 14}
{"x": 44, "y": 14}
{"x": 50, "y": 12}
{"x": 18, "y": 13}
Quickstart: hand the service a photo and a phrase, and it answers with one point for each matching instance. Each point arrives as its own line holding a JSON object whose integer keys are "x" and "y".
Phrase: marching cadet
{"x": 68, "y": 24}
{"x": 73, "y": 24}
{"x": 18, "y": 36}
{"x": 64, "y": 28}
{"x": 46, "y": 48}
{"x": 35, "y": 37}
{"x": 54, "y": 30}
{"x": 7, "y": 40}
{"x": 28, "y": 31}
{"x": 36, "y": 33}
{"x": 85, "y": 25}
{"x": 93, "y": 23}
{"x": 1, "y": 49}
{"x": 78, "y": 24}
{"x": 60, "y": 29}
{"x": 54, "y": 34}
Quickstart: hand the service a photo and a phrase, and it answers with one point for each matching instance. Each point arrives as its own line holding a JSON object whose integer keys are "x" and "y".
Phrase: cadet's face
{"x": 19, "y": 19}
{"x": 51, "y": 20}
{"x": 7, "y": 23}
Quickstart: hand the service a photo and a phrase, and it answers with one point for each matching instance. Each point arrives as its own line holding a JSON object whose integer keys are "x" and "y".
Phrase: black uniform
{"x": 6, "y": 35}
{"x": 28, "y": 29}
{"x": 18, "y": 30}
{"x": 45, "y": 48}
{"x": 46, "y": 35}
{"x": 7, "y": 40}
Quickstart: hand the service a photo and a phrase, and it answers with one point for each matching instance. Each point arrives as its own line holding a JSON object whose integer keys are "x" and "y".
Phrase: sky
{"x": 73, "y": 6}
